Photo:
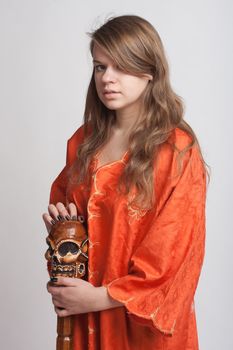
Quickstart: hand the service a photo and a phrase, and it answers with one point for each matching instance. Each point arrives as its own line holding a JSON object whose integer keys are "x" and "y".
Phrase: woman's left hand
{"x": 72, "y": 296}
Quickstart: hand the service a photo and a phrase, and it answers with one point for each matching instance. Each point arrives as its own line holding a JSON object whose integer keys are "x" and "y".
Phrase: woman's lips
{"x": 110, "y": 94}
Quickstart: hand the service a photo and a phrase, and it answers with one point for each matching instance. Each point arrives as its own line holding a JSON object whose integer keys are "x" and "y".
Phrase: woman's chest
{"x": 112, "y": 151}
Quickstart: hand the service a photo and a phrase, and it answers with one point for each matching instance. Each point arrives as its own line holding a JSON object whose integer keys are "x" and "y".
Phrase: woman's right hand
{"x": 59, "y": 212}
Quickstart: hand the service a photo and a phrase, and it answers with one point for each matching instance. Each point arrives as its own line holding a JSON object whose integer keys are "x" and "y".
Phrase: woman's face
{"x": 117, "y": 90}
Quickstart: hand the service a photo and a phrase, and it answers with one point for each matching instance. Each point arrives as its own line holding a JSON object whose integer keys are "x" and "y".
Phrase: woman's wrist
{"x": 103, "y": 301}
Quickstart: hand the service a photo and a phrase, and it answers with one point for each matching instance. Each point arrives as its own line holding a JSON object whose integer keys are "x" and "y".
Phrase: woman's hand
{"x": 59, "y": 212}
{"x": 72, "y": 296}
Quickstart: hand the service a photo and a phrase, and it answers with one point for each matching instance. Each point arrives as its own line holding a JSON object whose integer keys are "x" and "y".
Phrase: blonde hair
{"x": 135, "y": 46}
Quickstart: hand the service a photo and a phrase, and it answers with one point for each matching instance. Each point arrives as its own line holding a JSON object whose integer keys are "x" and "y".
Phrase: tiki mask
{"x": 67, "y": 252}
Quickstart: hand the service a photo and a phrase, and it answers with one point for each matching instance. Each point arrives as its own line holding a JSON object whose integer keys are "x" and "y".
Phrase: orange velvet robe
{"x": 148, "y": 260}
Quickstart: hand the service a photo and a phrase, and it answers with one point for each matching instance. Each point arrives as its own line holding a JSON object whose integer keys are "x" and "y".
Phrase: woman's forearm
{"x": 103, "y": 300}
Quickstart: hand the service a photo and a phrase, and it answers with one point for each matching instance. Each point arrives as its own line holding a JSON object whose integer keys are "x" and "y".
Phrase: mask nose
{"x": 55, "y": 261}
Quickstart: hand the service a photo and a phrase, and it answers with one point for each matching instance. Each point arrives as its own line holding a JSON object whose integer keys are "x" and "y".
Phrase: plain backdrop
{"x": 45, "y": 68}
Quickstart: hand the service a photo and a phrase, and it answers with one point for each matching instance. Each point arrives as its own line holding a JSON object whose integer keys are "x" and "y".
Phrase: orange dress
{"x": 148, "y": 260}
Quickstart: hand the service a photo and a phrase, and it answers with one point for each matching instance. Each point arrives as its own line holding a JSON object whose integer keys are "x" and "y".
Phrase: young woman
{"x": 135, "y": 172}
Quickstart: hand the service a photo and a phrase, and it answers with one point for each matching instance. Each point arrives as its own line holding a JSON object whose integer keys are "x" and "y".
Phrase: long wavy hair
{"x": 135, "y": 46}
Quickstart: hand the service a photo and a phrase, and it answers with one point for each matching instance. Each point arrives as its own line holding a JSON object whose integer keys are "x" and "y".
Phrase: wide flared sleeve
{"x": 59, "y": 185}
{"x": 165, "y": 266}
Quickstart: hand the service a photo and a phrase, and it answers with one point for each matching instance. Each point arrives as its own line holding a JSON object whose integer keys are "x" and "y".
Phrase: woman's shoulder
{"x": 77, "y": 135}
{"x": 73, "y": 143}
{"x": 178, "y": 154}
{"x": 179, "y": 139}
{"x": 179, "y": 143}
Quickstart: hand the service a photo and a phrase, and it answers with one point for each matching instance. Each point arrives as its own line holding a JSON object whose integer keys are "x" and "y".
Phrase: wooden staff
{"x": 65, "y": 328}
{"x": 67, "y": 257}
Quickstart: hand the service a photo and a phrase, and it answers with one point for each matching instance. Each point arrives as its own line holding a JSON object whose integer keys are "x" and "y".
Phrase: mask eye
{"x": 68, "y": 247}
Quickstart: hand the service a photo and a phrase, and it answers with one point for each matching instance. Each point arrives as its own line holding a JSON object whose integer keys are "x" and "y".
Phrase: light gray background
{"x": 44, "y": 71}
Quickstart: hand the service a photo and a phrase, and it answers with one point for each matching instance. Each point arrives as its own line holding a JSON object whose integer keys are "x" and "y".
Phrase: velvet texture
{"x": 148, "y": 260}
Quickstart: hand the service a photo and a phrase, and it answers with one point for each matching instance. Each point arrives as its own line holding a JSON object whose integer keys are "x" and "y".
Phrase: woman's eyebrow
{"x": 96, "y": 61}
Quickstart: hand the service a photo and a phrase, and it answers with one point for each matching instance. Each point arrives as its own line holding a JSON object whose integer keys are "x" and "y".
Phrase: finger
{"x": 57, "y": 303}
{"x": 53, "y": 211}
{"x": 61, "y": 312}
{"x": 66, "y": 282}
{"x": 48, "y": 286}
{"x": 49, "y": 221}
{"x": 54, "y": 290}
{"x": 73, "y": 211}
{"x": 62, "y": 210}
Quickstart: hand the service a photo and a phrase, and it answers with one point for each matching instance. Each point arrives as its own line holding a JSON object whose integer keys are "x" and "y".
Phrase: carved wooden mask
{"x": 68, "y": 249}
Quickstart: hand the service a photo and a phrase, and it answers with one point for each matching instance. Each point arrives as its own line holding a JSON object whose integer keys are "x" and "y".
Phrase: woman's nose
{"x": 109, "y": 75}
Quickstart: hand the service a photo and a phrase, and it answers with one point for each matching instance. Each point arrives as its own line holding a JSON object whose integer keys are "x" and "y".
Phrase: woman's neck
{"x": 126, "y": 120}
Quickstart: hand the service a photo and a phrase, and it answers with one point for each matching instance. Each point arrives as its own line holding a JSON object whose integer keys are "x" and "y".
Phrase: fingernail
{"x": 60, "y": 218}
{"x": 67, "y": 217}
{"x": 53, "y": 279}
{"x": 74, "y": 217}
{"x": 53, "y": 222}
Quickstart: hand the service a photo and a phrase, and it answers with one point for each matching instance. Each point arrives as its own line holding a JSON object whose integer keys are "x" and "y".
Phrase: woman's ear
{"x": 148, "y": 76}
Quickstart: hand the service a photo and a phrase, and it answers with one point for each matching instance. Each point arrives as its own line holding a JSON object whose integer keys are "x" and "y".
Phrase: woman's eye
{"x": 99, "y": 68}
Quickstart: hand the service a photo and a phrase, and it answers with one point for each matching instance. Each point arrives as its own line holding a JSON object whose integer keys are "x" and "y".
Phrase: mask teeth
{"x": 69, "y": 270}
{"x": 65, "y": 268}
